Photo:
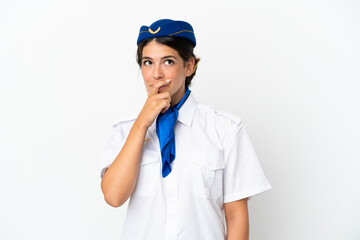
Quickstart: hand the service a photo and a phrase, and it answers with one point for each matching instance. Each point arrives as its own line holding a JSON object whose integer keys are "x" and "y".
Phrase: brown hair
{"x": 183, "y": 46}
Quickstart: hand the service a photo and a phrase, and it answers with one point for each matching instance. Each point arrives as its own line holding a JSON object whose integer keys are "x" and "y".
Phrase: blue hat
{"x": 167, "y": 28}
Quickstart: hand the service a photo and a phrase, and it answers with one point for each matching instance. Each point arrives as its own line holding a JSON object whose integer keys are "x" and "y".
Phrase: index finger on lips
{"x": 155, "y": 88}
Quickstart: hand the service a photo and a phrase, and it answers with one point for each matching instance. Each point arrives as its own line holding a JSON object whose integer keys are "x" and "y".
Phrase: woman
{"x": 185, "y": 165}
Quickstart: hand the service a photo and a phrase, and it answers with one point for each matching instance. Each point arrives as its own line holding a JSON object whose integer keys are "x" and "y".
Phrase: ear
{"x": 190, "y": 66}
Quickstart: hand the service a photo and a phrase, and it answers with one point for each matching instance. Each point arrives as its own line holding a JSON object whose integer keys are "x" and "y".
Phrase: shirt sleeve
{"x": 243, "y": 174}
{"x": 112, "y": 148}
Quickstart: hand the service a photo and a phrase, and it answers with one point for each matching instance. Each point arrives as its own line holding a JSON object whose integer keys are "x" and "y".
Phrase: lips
{"x": 163, "y": 87}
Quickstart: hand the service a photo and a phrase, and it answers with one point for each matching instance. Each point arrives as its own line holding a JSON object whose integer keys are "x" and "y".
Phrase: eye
{"x": 169, "y": 62}
{"x": 146, "y": 63}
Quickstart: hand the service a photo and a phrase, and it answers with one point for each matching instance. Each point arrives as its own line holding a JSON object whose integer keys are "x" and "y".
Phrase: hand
{"x": 155, "y": 103}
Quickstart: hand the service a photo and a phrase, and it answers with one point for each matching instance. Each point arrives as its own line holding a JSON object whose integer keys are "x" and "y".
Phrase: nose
{"x": 158, "y": 72}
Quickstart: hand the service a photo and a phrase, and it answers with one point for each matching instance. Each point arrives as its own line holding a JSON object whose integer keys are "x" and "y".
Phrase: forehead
{"x": 157, "y": 50}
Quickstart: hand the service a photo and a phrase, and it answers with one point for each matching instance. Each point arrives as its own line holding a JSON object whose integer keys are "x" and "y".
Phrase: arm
{"x": 237, "y": 220}
{"x": 119, "y": 180}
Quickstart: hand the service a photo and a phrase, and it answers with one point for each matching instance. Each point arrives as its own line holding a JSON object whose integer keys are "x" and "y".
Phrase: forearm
{"x": 120, "y": 178}
{"x": 238, "y": 228}
{"x": 237, "y": 220}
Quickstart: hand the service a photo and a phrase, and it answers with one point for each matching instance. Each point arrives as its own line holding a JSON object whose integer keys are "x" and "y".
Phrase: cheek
{"x": 176, "y": 73}
{"x": 146, "y": 75}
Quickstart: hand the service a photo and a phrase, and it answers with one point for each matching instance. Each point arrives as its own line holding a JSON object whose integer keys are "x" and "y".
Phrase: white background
{"x": 289, "y": 69}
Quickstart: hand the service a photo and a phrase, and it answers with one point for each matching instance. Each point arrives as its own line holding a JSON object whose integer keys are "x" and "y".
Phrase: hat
{"x": 167, "y": 28}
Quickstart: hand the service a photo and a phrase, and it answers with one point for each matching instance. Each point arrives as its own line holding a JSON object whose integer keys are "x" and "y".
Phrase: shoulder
{"x": 124, "y": 121}
{"x": 226, "y": 124}
{"x": 121, "y": 128}
{"x": 218, "y": 115}
{"x": 226, "y": 115}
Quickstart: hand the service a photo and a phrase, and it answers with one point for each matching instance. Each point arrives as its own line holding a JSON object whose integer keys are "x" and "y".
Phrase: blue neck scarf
{"x": 165, "y": 123}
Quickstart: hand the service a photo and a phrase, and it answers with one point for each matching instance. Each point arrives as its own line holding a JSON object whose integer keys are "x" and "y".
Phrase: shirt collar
{"x": 186, "y": 112}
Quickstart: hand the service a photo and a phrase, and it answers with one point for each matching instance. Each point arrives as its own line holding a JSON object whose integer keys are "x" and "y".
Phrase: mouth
{"x": 164, "y": 87}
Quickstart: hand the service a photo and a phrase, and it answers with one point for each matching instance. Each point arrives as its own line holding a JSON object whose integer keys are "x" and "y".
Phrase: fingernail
{"x": 167, "y": 80}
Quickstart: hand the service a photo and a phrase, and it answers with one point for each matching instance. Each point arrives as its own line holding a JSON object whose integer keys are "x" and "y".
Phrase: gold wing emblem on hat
{"x": 154, "y": 32}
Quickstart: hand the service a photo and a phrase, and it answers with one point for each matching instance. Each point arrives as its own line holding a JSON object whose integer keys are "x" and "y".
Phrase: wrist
{"x": 141, "y": 125}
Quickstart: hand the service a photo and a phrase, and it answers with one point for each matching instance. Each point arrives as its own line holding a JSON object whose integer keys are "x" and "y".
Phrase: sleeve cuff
{"x": 103, "y": 170}
{"x": 248, "y": 193}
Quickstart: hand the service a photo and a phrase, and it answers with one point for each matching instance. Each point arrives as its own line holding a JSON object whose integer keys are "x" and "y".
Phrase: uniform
{"x": 215, "y": 164}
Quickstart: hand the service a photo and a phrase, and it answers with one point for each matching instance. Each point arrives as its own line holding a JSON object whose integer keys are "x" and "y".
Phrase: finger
{"x": 165, "y": 109}
{"x": 154, "y": 89}
{"x": 162, "y": 95}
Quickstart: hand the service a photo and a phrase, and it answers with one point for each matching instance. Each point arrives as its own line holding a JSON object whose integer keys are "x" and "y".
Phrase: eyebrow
{"x": 169, "y": 56}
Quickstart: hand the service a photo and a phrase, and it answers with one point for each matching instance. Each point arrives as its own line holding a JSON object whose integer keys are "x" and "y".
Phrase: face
{"x": 161, "y": 62}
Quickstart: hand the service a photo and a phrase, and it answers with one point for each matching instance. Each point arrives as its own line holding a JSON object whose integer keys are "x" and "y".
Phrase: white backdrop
{"x": 289, "y": 69}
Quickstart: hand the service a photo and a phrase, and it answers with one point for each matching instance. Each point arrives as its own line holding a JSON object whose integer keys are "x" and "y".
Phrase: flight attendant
{"x": 187, "y": 167}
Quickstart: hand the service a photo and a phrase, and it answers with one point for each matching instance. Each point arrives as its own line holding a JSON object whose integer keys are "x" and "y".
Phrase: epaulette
{"x": 125, "y": 119}
{"x": 227, "y": 115}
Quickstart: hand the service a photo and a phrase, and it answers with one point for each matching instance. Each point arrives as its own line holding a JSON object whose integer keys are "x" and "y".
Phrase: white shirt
{"x": 215, "y": 163}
